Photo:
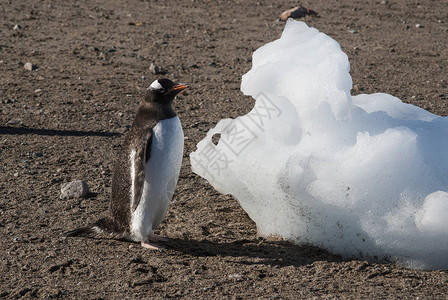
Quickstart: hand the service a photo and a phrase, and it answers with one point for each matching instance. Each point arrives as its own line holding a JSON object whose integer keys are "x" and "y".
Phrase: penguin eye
{"x": 161, "y": 90}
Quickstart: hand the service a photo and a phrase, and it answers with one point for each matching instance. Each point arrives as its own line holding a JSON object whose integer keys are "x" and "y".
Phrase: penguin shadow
{"x": 254, "y": 252}
{"x": 53, "y": 132}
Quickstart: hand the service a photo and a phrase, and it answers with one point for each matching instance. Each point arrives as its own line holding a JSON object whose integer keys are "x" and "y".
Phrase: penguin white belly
{"x": 161, "y": 175}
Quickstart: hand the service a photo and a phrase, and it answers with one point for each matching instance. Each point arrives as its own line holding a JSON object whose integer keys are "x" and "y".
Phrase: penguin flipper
{"x": 142, "y": 155}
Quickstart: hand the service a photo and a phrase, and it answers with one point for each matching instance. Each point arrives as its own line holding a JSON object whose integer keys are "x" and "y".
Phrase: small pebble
{"x": 37, "y": 154}
{"x": 92, "y": 48}
{"x": 30, "y": 66}
{"x": 14, "y": 122}
{"x": 154, "y": 69}
{"x": 18, "y": 27}
{"x": 419, "y": 25}
{"x": 236, "y": 276}
{"x": 74, "y": 189}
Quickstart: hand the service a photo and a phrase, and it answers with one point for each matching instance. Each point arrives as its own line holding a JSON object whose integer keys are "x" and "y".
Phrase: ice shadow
{"x": 247, "y": 252}
{"x": 53, "y": 132}
{"x": 255, "y": 252}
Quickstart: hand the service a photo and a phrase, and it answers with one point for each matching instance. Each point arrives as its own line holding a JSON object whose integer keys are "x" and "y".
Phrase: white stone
{"x": 74, "y": 189}
{"x": 30, "y": 67}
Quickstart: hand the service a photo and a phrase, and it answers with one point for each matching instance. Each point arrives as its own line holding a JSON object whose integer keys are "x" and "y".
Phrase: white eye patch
{"x": 155, "y": 86}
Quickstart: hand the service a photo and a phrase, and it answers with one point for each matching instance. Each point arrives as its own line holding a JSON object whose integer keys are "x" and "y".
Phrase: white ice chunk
{"x": 392, "y": 106}
{"x": 432, "y": 216}
{"x": 362, "y": 176}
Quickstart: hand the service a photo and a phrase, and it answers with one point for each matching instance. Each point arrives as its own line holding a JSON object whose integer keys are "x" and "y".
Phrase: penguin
{"x": 146, "y": 171}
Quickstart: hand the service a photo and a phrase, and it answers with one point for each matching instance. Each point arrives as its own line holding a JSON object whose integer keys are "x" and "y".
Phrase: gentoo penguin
{"x": 147, "y": 170}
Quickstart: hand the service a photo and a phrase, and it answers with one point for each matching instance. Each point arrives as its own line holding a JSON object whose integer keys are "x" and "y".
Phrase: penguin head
{"x": 163, "y": 91}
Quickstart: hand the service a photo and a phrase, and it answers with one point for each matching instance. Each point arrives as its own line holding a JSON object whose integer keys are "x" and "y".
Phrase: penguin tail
{"x": 103, "y": 225}
{"x": 84, "y": 231}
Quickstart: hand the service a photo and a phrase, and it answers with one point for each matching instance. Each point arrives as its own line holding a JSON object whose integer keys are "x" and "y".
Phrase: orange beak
{"x": 180, "y": 87}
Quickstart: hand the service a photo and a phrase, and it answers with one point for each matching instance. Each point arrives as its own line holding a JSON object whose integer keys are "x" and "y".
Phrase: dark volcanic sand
{"x": 66, "y": 120}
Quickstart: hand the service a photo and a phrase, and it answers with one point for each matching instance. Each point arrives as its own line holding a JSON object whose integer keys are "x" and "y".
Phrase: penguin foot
{"x": 157, "y": 238}
{"x": 151, "y": 246}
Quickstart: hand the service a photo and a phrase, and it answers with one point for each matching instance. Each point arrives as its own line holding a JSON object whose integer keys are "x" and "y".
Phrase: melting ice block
{"x": 362, "y": 176}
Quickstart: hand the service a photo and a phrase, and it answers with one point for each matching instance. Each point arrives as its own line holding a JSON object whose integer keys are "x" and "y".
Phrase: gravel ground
{"x": 64, "y": 115}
